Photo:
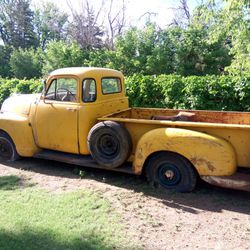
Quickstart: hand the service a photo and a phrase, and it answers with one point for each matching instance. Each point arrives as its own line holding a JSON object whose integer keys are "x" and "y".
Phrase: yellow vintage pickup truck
{"x": 83, "y": 118}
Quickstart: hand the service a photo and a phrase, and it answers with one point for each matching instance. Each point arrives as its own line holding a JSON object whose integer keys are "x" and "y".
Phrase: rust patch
{"x": 210, "y": 143}
{"x": 147, "y": 146}
{"x": 139, "y": 154}
{"x": 203, "y": 162}
{"x": 238, "y": 181}
{"x": 136, "y": 169}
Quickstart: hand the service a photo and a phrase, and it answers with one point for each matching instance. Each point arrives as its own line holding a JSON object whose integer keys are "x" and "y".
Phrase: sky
{"x": 135, "y": 9}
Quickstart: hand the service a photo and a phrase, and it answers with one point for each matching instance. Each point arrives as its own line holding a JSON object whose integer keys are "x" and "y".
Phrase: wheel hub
{"x": 169, "y": 175}
{"x": 108, "y": 145}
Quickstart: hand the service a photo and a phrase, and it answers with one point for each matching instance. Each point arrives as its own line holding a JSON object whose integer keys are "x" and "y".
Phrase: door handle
{"x": 71, "y": 109}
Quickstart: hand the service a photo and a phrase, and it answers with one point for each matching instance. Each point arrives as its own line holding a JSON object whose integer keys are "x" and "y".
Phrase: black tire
{"x": 171, "y": 171}
{"x": 109, "y": 143}
{"x": 7, "y": 148}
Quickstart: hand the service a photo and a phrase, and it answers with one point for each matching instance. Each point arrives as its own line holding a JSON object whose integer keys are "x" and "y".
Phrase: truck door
{"x": 57, "y": 116}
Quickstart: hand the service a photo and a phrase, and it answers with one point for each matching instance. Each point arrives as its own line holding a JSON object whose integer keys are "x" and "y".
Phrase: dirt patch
{"x": 208, "y": 218}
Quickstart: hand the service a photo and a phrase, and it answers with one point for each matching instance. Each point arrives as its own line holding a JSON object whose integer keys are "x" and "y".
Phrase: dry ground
{"x": 208, "y": 218}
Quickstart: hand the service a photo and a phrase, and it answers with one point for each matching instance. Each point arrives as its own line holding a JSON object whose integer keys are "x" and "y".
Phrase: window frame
{"x": 82, "y": 97}
{"x": 112, "y": 77}
{"x": 46, "y": 92}
{"x": 55, "y": 78}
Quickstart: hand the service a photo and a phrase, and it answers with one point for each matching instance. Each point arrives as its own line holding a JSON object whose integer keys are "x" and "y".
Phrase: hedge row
{"x": 168, "y": 91}
{"x": 192, "y": 92}
{"x": 9, "y": 86}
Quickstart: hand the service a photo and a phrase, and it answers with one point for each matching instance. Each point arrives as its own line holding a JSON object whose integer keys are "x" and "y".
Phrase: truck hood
{"x": 19, "y": 104}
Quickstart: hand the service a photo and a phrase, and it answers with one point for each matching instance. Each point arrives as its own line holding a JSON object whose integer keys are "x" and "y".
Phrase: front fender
{"x": 20, "y": 130}
{"x": 210, "y": 155}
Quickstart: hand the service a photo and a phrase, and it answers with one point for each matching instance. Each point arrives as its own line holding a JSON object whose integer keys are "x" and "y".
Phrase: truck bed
{"x": 199, "y": 116}
{"x": 234, "y": 127}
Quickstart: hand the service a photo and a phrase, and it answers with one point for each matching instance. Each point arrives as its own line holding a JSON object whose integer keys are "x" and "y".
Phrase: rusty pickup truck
{"x": 83, "y": 118}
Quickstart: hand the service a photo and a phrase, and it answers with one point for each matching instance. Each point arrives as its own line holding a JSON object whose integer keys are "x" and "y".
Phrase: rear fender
{"x": 210, "y": 155}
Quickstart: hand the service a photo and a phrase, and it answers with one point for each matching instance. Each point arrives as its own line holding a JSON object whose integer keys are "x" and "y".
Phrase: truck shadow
{"x": 204, "y": 198}
{"x": 34, "y": 238}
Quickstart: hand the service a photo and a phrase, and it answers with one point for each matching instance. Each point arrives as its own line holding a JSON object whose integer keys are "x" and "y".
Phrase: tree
{"x": 147, "y": 51}
{"x": 229, "y": 23}
{"x": 126, "y": 56}
{"x": 61, "y": 54}
{"x": 50, "y": 24}
{"x": 84, "y": 28}
{"x": 26, "y": 63}
{"x": 116, "y": 23}
{"x": 195, "y": 55}
{"x": 182, "y": 14}
{"x": 4, "y": 61}
{"x": 154, "y": 50}
{"x": 100, "y": 58}
{"x": 238, "y": 27}
{"x": 16, "y": 24}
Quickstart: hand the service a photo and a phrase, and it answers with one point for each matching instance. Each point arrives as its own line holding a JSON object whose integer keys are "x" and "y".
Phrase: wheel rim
{"x": 108, "y": 145}
{"x": 6, "y": 149}
{"x": 168, "y": 175}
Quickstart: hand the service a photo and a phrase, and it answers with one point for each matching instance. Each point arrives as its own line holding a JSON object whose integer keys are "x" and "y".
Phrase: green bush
{"x": 10, "y": 86}
{"x": 166, "y": 91}
{"x": 192, "y": 92}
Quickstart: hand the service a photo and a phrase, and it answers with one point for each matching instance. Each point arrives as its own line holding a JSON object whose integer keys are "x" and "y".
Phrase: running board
{"x": 240, "y": 180}
{"x": 80, "y": 160}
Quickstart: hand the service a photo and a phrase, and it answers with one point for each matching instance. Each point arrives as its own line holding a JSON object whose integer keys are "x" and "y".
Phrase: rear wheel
{"x": 171, "y": 171}
{"x": 7, "y": 148}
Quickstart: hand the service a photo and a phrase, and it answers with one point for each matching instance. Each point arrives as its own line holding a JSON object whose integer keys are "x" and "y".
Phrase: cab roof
{"x": 80, "y": 71}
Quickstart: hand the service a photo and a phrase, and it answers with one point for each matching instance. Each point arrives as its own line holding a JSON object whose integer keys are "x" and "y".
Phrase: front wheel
{"x": 7, "y": 148}
{"x": 171, "y": 171}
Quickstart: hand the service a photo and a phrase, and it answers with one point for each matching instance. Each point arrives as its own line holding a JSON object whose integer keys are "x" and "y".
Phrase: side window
{"x": 111, "y": 85}
{"x": 62, "y": 89}
{"x": 89, "y": 90}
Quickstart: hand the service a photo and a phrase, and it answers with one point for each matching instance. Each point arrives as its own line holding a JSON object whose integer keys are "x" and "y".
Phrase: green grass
{"x": 35, "y": 219}
{"x": 9, "y": 182}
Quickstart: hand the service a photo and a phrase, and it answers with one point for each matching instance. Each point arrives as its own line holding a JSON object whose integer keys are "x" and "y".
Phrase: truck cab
{"x": 69, "y": 107}
{"x": 61, "y": 117}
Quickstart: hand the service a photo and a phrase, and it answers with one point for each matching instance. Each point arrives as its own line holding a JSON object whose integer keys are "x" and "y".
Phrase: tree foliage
{"x": 16, "y": 24}
{"x": 194, "y": 55}
{"x": 61, "y": 54}
{"x": 229, "y": 24}
{"x": 147, "y": 51}
{"x": 214, "y": 39}
{"x": 26, "y": 63}
{"x": 50, "y": 24}
{"x": 5, "y": 52}
{"x": 206, "y": 53}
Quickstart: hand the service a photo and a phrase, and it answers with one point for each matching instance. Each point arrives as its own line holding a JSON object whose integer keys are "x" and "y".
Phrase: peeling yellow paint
{"x": 210, "y": 155}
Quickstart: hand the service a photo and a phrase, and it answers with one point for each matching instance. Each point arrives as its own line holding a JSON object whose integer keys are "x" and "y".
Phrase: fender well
{"x": 209, "y": 155}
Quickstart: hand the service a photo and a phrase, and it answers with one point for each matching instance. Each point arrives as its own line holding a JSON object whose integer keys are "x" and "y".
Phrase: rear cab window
{"x": 111, "y": 85}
